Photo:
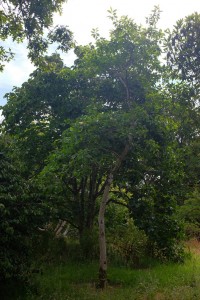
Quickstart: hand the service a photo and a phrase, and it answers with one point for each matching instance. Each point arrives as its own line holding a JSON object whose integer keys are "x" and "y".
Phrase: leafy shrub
{"x": 189, "y": 212}
{"x": 174, "y": 252}
{"x": 157, "y": 217}
{"x": 128, "y": 244}
{"x": 192, "y": 230}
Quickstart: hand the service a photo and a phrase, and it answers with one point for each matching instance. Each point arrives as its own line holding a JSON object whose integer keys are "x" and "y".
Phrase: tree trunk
{"x": 102, "y": 236}
{"x": 60, "y": 228}
{"x": 101, "y": 219}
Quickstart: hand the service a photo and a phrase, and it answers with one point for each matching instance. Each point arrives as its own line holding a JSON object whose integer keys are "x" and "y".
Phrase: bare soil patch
{"x": 193, "y": 246}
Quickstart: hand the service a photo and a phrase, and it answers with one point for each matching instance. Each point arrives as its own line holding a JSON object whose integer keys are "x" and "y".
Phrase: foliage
{"x": 155, "y": 184}
{"x": 127, "y": 244}
{"x": 184, "y": 49}
{"x": 117, "y": 114}
{"x": 28, "y": 19}
{"x": 89, "y": 244}
{"x": 192, "y": 163}
{"x": 164, "y": 230}
{"x": 166, "y": 281}
{"x": 21, "y": 212}
{"x": 190, "y": 213}
{"x": 13, "y": 211}
{"x": 37, "y": 113}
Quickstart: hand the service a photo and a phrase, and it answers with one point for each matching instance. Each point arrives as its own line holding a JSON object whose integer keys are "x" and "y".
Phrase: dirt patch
{"x": 193, "y": 246}
{"x": 160, "y": 296}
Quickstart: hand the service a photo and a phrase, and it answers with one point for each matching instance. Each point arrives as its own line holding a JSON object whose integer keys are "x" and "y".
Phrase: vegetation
{"x": 110, "y": 145}
{"x": 28, "y": 19}
{"x": 77, "y": 280}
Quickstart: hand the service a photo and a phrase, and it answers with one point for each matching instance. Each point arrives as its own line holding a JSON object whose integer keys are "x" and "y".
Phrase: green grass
{"x": 77, "y": 281}
{"x": 74, "y": 281}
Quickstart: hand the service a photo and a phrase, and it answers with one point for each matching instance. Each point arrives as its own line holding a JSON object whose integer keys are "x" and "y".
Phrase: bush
{"x": 158, "y": 218}
{"x": 189, "y": 212}
{"x": 192, "y": 230}
{"x": 128, "y": 245}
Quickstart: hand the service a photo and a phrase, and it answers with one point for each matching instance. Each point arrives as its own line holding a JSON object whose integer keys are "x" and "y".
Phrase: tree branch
{"x": 117, "y": 202}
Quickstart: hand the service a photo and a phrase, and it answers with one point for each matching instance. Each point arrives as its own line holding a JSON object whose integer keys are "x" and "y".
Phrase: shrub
{"x": 128, "y": 244}
{"x": 192, "y": 230}
{"x": 189, "y": 212}
{"x": 157, "y": 217}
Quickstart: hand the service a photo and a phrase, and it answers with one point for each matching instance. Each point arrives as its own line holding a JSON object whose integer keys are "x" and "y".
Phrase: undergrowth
{"x": 77, "y": 281}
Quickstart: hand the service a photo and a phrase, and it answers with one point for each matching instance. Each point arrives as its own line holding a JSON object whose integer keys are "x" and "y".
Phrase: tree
{"x": 183, "y": 50}
{"x": 37, "y": 113}
{"x": 183, "y": 54}
{"x": 130, "y": 58}
{"x": 117, "y": 122}
{"x": 28, "y": 19}
{"x": 23, "y": 210}
{"x": 116, "y": 127}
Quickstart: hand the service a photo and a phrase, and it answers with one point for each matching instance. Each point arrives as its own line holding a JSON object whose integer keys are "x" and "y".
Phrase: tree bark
{"x": 105, "y": 198}
{"x": 102, "y": 235}
{"x": 101, "y": 219}
{"x": 58, "y": 230}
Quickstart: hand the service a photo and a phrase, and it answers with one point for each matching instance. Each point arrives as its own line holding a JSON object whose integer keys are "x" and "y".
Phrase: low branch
{"x": 117, "y": 202}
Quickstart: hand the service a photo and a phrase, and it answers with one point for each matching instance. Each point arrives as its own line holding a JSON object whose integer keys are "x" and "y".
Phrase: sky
{"x": 82, "y": 16}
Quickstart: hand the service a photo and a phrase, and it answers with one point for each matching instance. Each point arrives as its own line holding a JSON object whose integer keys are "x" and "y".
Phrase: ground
{"x": 193, "y": 246}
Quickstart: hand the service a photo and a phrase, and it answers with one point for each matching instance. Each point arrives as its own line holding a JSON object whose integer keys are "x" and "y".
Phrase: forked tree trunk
{"x": 102, "y": 236}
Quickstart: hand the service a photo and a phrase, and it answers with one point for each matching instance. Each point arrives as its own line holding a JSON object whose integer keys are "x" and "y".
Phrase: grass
{"x": 73, "y": 281}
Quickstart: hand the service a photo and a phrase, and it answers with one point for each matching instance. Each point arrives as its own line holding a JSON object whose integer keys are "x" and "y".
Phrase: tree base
{"x": 102, "y": 279}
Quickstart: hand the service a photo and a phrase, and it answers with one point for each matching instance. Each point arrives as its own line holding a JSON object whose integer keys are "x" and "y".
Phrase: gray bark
{"x": 101, "y": 219}
{"x": 102, "y": 235}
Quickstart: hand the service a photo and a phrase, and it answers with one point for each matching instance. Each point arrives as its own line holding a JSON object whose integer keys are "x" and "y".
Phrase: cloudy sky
{"x": 83, "y": 15}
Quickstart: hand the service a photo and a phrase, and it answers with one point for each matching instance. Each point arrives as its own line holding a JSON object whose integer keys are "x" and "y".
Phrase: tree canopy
{"x": 27, "y": 20}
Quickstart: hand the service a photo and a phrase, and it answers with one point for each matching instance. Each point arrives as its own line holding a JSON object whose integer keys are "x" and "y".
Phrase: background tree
{"x": 27, "y": 20}
{"x": 184, "y": 50}
{"x": 21, "y": 212}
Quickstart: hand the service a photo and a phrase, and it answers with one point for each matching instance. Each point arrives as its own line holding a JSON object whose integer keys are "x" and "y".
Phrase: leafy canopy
{"x": 27, "y": 20}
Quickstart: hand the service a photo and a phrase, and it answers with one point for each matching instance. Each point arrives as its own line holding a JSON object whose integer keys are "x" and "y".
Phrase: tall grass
{"x": 71, "y": 280}
{"x": 161, "y": 282}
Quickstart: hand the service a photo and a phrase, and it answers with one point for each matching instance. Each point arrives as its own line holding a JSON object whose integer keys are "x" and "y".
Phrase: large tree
{"x": 115, "y": 116}
{"x": 126, "y": 109}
